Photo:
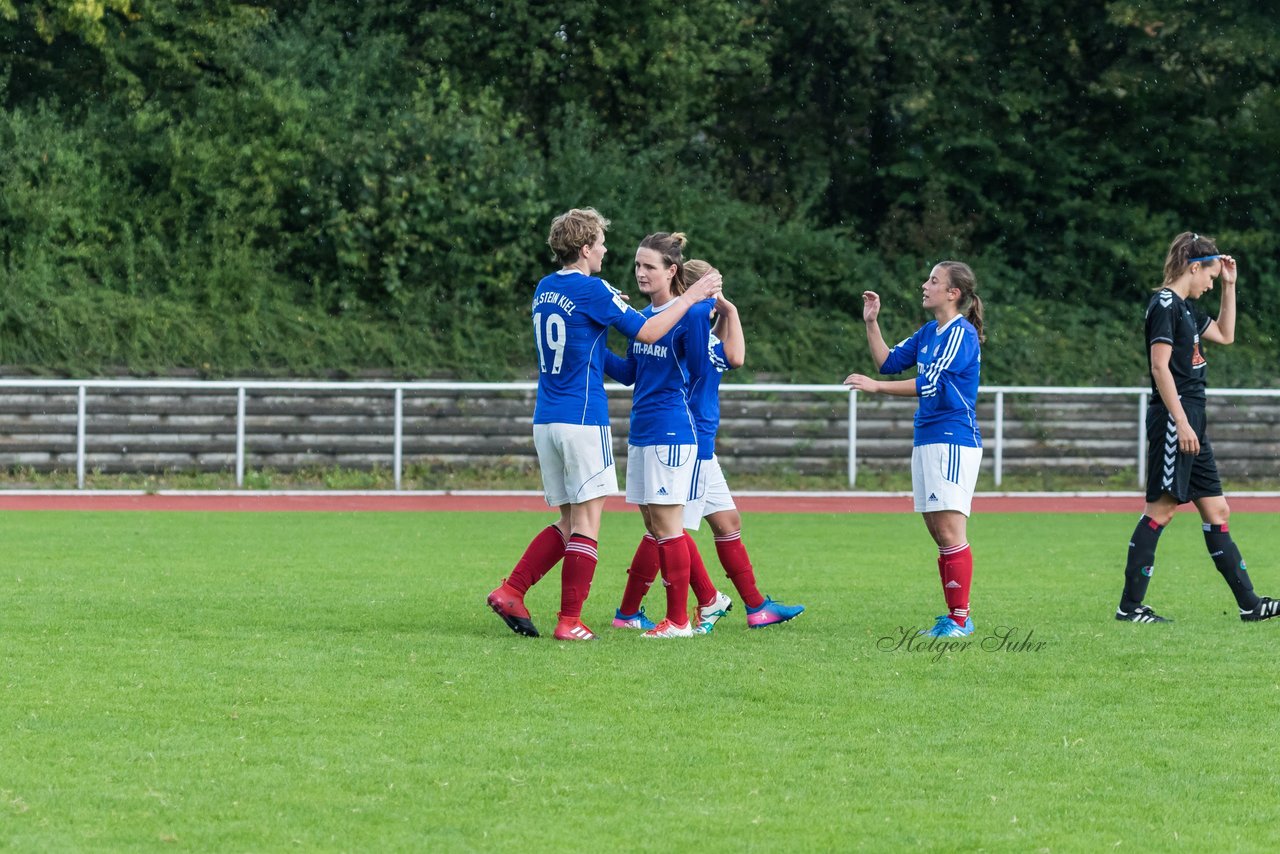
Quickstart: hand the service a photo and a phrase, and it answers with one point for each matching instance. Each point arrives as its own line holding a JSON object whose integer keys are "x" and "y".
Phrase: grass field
{"x": 269, "y": 682}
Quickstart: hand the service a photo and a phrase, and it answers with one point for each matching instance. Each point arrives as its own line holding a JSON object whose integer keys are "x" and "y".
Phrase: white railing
{"x": 397, "y": 390}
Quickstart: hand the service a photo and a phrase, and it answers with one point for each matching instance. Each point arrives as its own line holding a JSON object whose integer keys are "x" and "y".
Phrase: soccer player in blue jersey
{"x": 947, "y": 452}
{"x": 662, "y": 448}
{"x": 1180, "y": 462}
{"x": 572, "y": 311}
{"x": 709, "y": 497}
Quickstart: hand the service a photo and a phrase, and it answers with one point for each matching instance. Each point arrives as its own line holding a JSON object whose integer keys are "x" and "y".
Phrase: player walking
{"x": 947, "y": 445}
{"x": 572, "y": 312}
{"x": 709, "y": 496}
{"x": 1180, "y": 461}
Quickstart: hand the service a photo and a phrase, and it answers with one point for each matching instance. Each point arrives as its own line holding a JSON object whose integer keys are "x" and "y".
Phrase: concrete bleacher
{"x": 146, "y": 430}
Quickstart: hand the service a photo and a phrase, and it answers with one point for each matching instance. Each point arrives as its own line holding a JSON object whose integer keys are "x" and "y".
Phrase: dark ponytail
{"x": 962, "y": 279}
{"x": 1186, "y": 246}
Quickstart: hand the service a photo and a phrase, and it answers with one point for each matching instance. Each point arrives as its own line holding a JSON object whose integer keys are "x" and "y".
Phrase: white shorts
{"x": 576, "y": 462}
{"x": 943, "y": 477}
{"x": 660, "y": 474}
{"x": 710, "y": 493}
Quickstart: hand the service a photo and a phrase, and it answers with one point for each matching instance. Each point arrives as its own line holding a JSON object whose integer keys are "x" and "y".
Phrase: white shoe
{"x": 668, "y": 629}
{"x": 708, "y": 616}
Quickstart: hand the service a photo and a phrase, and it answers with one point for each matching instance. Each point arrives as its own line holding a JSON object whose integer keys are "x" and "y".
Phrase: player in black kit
{"x": 1180, "y": 463}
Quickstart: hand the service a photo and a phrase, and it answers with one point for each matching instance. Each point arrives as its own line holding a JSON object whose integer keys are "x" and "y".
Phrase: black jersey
{"x": 1179, "y": 323}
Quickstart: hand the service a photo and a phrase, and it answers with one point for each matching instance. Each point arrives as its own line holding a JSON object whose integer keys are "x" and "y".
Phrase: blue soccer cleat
{"x": 945, "y": 627}
{"x": 770, "y": 613}
{"x": 638, "y": 620}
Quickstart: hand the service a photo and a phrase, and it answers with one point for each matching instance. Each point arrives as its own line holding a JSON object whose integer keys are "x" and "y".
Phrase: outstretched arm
{"x": 898, "y": 388}
{"x": 664, "y": 321}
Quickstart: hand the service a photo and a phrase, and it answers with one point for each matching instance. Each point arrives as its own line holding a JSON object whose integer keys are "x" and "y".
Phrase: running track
{"x": 421, "y": 502}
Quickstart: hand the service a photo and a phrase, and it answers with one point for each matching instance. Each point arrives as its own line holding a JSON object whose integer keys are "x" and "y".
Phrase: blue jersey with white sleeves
{"x": 948, "y": 361}
{"x": 663, "y": 373}
{"x": 572, "y": 313}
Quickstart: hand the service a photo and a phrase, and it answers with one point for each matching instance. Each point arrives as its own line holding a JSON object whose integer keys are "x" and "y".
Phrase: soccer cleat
{"x": 941, "y": 623}
{"x": 668, "y": 629}
{"x": 945, "y": 627}
{"x": 638, "y": 620}
{"x": 708, "y": 616}
{"x": 1143, "y": 614}
{"x": 770, "y": 613}
{"x": 572, "y": 629}
{"x": 1264, "y": 610}
{"x": 508, "y": 604}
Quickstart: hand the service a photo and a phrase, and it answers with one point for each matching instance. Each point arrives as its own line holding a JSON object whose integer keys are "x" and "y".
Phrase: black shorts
{"x": 1170, "y": 472}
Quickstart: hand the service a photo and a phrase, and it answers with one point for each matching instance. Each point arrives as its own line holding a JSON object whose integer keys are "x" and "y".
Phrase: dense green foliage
{"x": 305, "y": 188}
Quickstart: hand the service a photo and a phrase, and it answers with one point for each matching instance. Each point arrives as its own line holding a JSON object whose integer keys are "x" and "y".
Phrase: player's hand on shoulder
{"x": 723, "y": 306}
{"x": 706, "y": 287}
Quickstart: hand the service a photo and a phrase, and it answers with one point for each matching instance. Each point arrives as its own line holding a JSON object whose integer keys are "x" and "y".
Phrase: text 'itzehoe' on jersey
{"x": 663, "y": 373}
{"x": 948, "y": 360}
{"x": 572, "y": 313}
{"x": 1179, "y": 323}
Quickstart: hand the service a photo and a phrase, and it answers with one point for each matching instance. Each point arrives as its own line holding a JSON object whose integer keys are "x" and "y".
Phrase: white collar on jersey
{"x": 947, "y": 325}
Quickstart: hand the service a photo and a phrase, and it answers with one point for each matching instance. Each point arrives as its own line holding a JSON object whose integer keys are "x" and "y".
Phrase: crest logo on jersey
{"x": 1197, "y": 358}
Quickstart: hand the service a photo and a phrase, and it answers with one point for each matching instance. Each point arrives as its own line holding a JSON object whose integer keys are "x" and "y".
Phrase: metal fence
{"x": 396, "y": 392}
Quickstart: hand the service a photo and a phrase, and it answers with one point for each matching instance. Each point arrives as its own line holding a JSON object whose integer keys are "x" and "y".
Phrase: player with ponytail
{"x": 1180, "y": 462}
{"x": 947, "y": 452}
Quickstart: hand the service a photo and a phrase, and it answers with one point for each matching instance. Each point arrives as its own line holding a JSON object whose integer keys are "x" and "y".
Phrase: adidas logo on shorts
{"x": 662, "y": 490}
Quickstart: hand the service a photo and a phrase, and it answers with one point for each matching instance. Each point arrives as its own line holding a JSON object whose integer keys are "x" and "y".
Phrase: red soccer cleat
{"x": 508, "y": 604}
{"x": 572, "y": 629}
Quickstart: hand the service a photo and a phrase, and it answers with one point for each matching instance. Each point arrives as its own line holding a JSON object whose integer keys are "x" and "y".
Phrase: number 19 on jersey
{"x": 551, "y": 342}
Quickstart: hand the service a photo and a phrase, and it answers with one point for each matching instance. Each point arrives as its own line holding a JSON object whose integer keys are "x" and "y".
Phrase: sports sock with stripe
{"x": 542, "y": 553}
{"x": 957, "y": 575}
{"x": 1140, "y": 563}
{"x": 641, "y": 574}
{"x": 575, "y": 576}
{"x": 1226, "y": 557}
{"x": 737, "y": 566}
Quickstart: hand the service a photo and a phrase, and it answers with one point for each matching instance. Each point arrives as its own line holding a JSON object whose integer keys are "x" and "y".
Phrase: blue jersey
{"x": 704, "y": 398}
{"x": 572, "y": 314}
{"x": 663, "y": 373}
{"x": 948, "y": 362}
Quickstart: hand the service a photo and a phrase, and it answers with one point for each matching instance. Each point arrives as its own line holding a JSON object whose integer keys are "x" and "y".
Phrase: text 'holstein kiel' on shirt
{"x": 572, "y": 313}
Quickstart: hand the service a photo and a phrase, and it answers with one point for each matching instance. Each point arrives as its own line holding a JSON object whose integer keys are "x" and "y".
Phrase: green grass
{"x": 263, "y": 682}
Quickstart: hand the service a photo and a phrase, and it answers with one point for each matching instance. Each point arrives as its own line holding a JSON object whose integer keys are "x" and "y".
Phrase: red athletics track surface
{"x": 472, "y": 501}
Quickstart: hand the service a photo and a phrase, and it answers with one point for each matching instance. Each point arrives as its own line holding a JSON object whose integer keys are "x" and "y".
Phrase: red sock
{"x": 575, "y": 576}
{"x": 641, "y": 575}
{"x": 957, "y": 573}
{"x": 733, "y": 557}
{"x": 543, "y": 552}
{"x": 703, "y": 590}
{"x": 673, "y": 554}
